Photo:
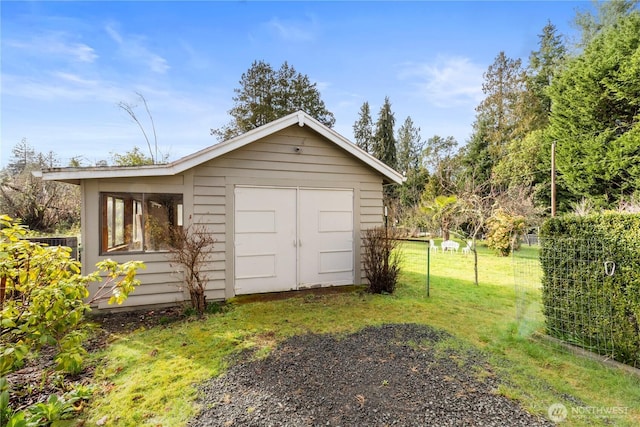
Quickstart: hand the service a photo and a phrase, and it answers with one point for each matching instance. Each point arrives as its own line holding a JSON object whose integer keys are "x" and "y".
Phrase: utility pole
{"x": 553, "y": 179}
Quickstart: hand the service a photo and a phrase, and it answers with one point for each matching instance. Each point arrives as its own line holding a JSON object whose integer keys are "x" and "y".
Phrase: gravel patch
{"x": 393, "y": 375}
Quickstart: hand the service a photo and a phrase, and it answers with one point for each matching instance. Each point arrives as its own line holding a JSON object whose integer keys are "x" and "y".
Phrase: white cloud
{"x": 55, "y": 44}
{"x": 292, "y": 31}
{"x": 446, "y": 82}
{"x": 60, "y": 86}
{"x": 113, "y": 33}
{"x": 132, "y": 47}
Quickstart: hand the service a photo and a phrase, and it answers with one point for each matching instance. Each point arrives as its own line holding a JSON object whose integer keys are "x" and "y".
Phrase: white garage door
{"x": 326, "y": 237}
{"x": 287, "y": 238}
{"x": 265, "y": 240}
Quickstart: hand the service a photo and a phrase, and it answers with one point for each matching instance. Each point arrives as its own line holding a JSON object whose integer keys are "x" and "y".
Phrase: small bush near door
{"x": 381, "y": 261}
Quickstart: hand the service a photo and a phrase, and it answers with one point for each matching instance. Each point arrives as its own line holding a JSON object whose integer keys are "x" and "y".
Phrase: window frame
{"x": 134, "y": 224}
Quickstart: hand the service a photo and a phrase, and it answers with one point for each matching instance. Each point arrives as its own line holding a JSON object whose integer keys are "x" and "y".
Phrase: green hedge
{"x": 591, "y": 282}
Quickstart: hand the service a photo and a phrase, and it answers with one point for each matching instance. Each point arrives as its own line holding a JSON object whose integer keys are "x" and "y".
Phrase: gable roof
{"x": 75, "y": 175}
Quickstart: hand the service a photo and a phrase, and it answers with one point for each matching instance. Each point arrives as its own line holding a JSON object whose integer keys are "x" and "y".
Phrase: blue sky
{"x": 66, "y": 65}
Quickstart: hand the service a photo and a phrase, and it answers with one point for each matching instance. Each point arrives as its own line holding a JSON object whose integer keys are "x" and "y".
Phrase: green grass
{"x": 150, "y": 377}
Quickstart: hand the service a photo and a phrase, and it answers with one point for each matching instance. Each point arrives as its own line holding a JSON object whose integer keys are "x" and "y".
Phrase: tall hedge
{"x": 591, "y": 282}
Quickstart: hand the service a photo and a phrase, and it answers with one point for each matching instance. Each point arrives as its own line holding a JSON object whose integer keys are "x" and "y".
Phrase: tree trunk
{"x": 475, "y": 262}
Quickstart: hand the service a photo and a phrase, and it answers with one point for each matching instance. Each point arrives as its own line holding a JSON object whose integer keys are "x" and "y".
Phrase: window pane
{"x": 109, "y": 224}
{"x": 119, "y": 222}
{"x": 136, "y": 234}
{"x": 161, "y": 215}
{"x": 139, "y": 222}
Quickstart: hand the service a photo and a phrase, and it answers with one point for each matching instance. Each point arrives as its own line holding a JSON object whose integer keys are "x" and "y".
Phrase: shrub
{"x": 189, "y": 252}
{"x": 381, "y": 261}
{"x": 43, "y": 298}
{"x": 591, "y": 282}
{"x": 504, "y": 232}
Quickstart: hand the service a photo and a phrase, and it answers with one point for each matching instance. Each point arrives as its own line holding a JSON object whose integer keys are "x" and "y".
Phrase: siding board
{"x": 270, "y": 161}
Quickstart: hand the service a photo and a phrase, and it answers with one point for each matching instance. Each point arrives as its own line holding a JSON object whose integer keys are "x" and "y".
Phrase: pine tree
{"x": 409, "y": 148}
{"x": 265, "y": 95}
{"x": 544, "y": 65}
{"x": 384, "y": 141}
{"x": 363, "y": 128}
{"x": 409, "y": 153}
{"x": 503, "y": 87}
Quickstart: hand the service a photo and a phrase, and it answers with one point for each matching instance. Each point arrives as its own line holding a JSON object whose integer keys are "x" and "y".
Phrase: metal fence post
{"x": 428, "y": 266}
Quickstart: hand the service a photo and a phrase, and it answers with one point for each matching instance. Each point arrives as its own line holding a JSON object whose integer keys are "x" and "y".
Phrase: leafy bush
{"x": 381, "y": 261}
{"x": 504, "y": 231}
{"x": 591, "y": 282}
{"x": 43, "y": 298}
{"x": 56, "y": 408}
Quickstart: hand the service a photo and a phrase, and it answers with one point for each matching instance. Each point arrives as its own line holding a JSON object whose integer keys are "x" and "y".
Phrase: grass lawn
{"x": 150, "y": 377}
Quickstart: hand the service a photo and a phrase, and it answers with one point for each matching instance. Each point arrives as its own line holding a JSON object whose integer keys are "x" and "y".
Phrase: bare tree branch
{"x": 128, "y": 108}
{"x": 153, "y": 126}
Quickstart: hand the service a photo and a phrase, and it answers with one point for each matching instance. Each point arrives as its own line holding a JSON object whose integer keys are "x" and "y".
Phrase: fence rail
{"x": 71, "y": 242}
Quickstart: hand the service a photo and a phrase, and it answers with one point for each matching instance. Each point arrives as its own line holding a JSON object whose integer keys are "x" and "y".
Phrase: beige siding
{"x": 160, "y": 282}
{"x": 208, "y": 199}
{"x": 274, "y": 161}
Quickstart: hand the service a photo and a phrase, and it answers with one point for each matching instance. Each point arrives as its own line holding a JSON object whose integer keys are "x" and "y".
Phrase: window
{"x": 138, "y": 222}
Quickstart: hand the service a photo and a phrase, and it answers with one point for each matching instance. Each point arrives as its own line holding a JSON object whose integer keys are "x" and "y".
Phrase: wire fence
{"x": 575, "y": 293}
{"x": 527, "y": 274}
{"x": 415, "y": 261}
{"x": 579, "y": 303}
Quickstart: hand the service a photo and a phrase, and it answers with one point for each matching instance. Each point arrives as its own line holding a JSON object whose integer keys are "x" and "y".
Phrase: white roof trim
{"x": 301, "y": 118}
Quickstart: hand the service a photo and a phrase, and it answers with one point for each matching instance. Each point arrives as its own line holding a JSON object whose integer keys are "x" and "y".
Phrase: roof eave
{"x": 75, "y": 175}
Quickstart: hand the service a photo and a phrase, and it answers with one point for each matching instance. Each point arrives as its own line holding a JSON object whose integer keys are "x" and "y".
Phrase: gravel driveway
{"x": 393, "y": 375}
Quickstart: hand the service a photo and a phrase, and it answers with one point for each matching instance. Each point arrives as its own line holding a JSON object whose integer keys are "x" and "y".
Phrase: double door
{"x": 289, "y": 238}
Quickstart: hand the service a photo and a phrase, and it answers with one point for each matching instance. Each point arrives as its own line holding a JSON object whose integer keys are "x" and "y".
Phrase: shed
{"x": 286, "y": 202}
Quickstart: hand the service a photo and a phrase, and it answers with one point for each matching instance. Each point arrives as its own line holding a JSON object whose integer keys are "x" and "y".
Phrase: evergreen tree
{"x": 23, "y": 156}
{"x": 503, "y": 87}
{"x": 409, "y": 148}
{"x": 595, "y": 118}
{"x": 363, "y": 128}
{"x": 384, "y": 141}
{"x": 532, "y": 111}
{"x": 409, "y": 154}
{"x": 475, "y": 159}
{"x": 440, "y": 160}
{"x": 608, "y": 13}
{"x": 265, "y": 95}
{"x": 544, "y": 65}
